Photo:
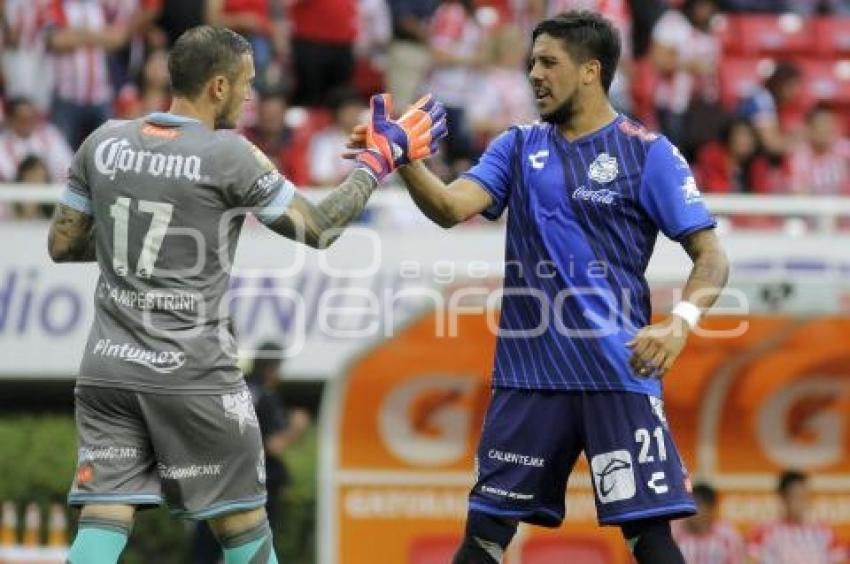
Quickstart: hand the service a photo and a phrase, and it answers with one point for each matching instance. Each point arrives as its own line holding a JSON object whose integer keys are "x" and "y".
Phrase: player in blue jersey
{"x": 578, "y": 366}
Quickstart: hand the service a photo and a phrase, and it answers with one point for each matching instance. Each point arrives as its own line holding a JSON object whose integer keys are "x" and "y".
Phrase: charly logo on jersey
{"x": 614, "y": 476}
{"x": 114, "y": 155}
{"x": 239, "y": 406}
{"x": 690, "y": 191}
{"x": 163, "y": 362}
{"x": 538, "y": 159}
{"x": 604, "y": 169}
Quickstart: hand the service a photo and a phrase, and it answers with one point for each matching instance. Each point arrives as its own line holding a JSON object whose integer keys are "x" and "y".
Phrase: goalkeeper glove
{"x": 392, "y": 143}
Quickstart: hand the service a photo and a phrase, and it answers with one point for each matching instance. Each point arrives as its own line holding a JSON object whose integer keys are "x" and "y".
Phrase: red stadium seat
{"x": 739, "y": 76}
{"x": 560, "y": 550}
{"x": 298, "y": 158}
{"x": 826, "y": 81}
{"x": 832, "y": 36}
{"x": 725, "y": 28}
{"x": 779, "y": 36}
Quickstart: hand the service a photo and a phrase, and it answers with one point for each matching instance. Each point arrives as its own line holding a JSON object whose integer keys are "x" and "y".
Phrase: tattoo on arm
{"x": 710, "y": 271}
{"x": 71, "y": 237}
{"x": 320, "y": 225}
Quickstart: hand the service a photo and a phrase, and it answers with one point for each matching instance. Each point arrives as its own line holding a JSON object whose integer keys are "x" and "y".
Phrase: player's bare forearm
{"x": 429, "y": 193}
{"x": 320, "y": 225}
{"x": 656, "y": 347}
{"x": 444, "y": 205}
{"x": 710, "y": 270}
{"x": 71, "y": 236}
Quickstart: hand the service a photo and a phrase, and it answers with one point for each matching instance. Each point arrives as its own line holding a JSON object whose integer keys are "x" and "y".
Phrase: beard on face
{"x": 226, "y": 119}
{"x": 563, "y": 114}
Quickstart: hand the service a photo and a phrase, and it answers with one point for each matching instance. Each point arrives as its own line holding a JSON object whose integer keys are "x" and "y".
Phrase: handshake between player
{"x": 388, "y": 144}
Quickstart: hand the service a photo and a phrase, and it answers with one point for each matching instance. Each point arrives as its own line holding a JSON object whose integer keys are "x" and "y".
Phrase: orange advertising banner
{"x": 401, "y": 428}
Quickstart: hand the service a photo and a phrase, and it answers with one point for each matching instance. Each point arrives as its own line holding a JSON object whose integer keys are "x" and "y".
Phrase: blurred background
{"x": 373, "y": 414}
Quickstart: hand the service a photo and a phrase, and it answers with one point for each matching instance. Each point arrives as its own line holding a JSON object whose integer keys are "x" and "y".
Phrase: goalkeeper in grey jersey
{"x": 162, "y": 410}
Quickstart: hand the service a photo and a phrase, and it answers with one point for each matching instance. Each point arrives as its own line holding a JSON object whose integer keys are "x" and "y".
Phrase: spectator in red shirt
{"x": 323, "y": 38}
{"x": 704, "y": 538}
{"x": 769, "y": 108}
{"x": 685, "y": 54}
{"x": 795, "y": 538}
{"x": 458, "y": 51}
{"x": 271, "y": 134}
{"x": 732, "y": 164}
{"x": 260, "y": 21}
{"x": 821, "y": 164}
{"x": 80, "y": 37}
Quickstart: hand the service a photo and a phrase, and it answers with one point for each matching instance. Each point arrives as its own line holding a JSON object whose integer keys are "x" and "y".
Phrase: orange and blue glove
{"x": 392, "y": 143}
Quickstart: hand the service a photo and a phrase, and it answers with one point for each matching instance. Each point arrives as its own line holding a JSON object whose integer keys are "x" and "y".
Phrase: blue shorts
{"x": 531, "y": 440}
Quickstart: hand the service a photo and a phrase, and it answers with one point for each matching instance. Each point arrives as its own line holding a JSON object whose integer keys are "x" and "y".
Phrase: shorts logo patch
{"x": 240, "y": 407}
{"x": 613, "y": 476}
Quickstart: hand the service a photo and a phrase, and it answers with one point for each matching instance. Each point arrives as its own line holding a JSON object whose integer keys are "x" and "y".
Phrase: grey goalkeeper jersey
{"x": 169, "y": 197}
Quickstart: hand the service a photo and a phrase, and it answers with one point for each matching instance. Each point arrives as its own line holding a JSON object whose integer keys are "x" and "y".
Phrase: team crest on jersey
{"x": 604, "y": 169}
{"x": 240, "y": 407}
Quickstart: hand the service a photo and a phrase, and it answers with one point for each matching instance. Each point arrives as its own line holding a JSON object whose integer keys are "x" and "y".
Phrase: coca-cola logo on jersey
{"x": 114, "y": 155}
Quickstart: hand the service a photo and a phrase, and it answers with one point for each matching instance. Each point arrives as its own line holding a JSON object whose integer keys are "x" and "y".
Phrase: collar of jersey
{"x": 170, "y": 119}
{"x": 588, "y": 136}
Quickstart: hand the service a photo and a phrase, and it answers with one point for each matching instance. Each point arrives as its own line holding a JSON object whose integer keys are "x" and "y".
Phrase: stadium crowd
{"x": 793, "y": 537}
{"x": 755, "y": 93}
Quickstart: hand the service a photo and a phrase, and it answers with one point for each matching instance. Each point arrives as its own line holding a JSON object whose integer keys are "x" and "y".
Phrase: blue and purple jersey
{"x": 584, "y": 216}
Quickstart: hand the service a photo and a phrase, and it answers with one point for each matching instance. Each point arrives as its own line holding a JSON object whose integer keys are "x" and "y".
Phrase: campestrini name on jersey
{"x": 114, "y": 155}
{"x": 158, "y": 361}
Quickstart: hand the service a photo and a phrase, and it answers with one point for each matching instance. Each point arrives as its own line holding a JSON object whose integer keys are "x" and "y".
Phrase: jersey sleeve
{"x": 494, "y": 173}
{"x": 669, "y": 193}
{"x": 254, "y": 183}
{"x": 77, "y": 193}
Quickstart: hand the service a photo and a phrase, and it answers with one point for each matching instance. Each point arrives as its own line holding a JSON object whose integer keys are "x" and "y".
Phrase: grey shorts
{"x": 202, "y": 454}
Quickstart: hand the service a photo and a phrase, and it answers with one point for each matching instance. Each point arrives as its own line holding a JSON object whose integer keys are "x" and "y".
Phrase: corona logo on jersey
{"x": 426, "y": 421}
{"x": 115, "y": 155}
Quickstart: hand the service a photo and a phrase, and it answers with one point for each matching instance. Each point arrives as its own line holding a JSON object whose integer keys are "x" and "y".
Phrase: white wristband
{"x": 687, "y": 311}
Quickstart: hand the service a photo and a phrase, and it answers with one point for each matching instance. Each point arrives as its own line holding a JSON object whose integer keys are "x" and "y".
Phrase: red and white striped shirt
{"x": 27, "y": 66}
{"x": 82, "y": 75}
{"x": 792, "y": 543}
{"x": 721, "y": 545}
{"x": 456, "y": 31}
{"x": 821, "y": 174}
{"x": 46, "y": 142}
{"x": 26, "y": 21}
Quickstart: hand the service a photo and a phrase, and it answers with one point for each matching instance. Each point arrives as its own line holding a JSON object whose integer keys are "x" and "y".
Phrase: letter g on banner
{"x": 426, "y": 421}
{"x": 802, "y": 426}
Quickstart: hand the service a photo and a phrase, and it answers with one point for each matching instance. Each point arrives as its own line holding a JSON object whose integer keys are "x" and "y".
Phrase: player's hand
{"x": 656, "y": 347}
{"x": 415, "y": 135}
